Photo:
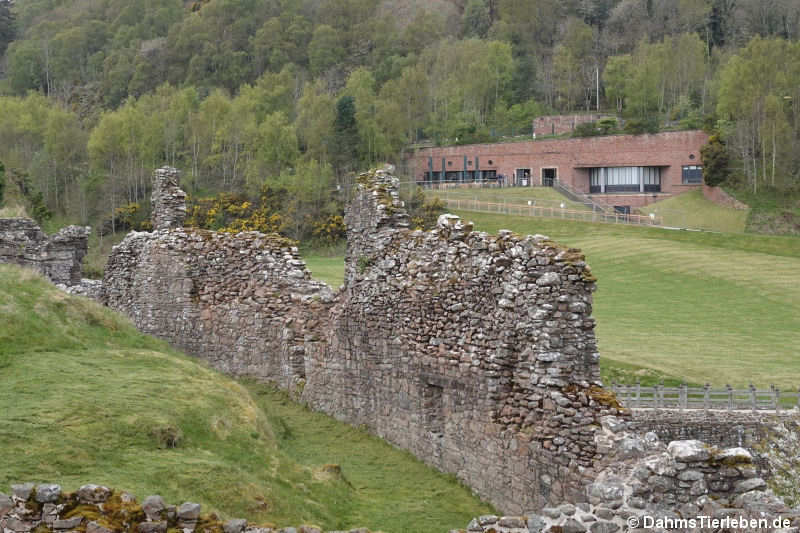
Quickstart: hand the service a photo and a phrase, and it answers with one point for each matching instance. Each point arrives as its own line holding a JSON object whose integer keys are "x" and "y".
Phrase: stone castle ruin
{"x": 475, "y": 352}
{"x": 57, "y": 257}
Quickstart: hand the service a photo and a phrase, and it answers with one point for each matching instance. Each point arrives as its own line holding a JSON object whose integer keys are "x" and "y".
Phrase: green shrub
{"x": 637, "y": 126}
{"x": 586, "y": 129}
{"x": 716, "y": 162}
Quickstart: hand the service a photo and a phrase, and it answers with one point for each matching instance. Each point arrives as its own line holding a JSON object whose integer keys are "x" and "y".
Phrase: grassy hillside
{"x": 701, "y": 307}
{"x": 86, "y": 398}
{"x": 772, "y": 211}
{"x": 692, "y": 210}
{"x": 680, "y": 305}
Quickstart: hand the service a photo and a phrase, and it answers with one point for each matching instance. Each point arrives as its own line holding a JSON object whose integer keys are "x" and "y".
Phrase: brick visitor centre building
{"x": 616, "y": 170}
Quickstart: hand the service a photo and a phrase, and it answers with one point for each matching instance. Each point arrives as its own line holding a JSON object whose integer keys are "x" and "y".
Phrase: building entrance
{"x": 523, "y": 177}
{"x": 549, "y": 176}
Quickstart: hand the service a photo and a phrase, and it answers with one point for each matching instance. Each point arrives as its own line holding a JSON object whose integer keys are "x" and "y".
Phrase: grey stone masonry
{"x": 58, "y": 257}
{"x": 98, "y": 509}
{"x": 168, "y": 201}
{"x": 476, "y": 352}
{"x": 244, "y": 302}
{"x": 683, "y": 486}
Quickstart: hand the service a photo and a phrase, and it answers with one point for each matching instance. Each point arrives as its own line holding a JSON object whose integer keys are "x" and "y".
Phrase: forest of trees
{"x": 290, "y": 96}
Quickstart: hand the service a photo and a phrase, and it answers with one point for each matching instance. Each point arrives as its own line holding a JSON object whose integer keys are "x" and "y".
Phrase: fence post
{"x": 638, "y": 393}
{"x": 684, "y": 398}
{"x": 777, "y": 392}
{"x": 730, "y": 398}
{"x": 660, "y": 394}
{"x": 706, "y": 396}
{"x": 753, "y": 397}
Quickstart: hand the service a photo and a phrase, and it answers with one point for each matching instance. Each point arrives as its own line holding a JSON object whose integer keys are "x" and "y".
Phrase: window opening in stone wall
{"x": 433, "y": 408}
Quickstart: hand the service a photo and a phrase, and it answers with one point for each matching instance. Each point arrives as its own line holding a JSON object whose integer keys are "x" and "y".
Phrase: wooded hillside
{"x": 263, "y": 98}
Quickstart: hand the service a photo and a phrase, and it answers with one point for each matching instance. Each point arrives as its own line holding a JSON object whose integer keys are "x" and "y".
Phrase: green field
{"x": 327, "y": 268}
{"x": 86, "y": 398}
{"x": 539, "y": 196}
{"x": 700, "y": 307}
{"x": 692, "y": 210}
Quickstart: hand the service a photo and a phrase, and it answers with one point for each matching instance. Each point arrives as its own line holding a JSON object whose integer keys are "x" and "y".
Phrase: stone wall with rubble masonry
{"x": 476, "y": 352}
{"x": 654, "y": 486}
{"x": 57, "y": 257}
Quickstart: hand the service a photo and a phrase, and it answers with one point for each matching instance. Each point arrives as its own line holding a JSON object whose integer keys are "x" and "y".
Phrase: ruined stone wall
{"x": 45, "y": 508}
{"x": 244, "y": 302}
{"x": 716, "y": 427}
{"x": 168, "y": 201}
{"x": 58, "y": 257}
{"x": 474, "y": 351}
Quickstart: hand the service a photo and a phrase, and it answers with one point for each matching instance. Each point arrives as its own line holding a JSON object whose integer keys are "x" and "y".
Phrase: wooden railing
{"x": 685, "y": 397}
{"x": 550, "y": 212}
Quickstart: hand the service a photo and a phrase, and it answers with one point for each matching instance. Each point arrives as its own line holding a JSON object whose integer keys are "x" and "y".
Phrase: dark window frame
{"x": 692, "y": 175}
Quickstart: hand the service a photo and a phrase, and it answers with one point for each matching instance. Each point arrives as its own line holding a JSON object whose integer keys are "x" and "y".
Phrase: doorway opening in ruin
{"x": 549, "y": 176}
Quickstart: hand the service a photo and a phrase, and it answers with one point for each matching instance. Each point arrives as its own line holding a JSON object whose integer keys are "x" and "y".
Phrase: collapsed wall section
{"x": 475, "y": 352}
{"x": 58, "y": 257}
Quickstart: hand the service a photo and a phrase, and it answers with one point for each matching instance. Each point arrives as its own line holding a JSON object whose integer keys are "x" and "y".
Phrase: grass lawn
{"x": 540, "y": 196}
{"x": 692, "y": 210}
{"x": 377, "y": 472}
{"x": 327, "y": 268}
{"x": 678, "y": 305}
{"x": 84, "y": 398}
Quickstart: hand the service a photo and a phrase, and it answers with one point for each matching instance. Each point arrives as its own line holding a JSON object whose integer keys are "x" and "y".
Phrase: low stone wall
{"x": 97, "y": 509}
{"x": 716, "y": 427}
{"x": 720, "y": 197}
{"x": 58, "y": 257}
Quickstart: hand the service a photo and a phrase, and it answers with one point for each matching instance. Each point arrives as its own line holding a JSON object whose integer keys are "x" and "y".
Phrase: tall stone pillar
{"x": 168, "y": 201}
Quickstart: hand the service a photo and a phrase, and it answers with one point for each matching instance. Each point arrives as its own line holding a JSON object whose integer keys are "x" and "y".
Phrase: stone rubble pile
{"x": 45, "y": 508}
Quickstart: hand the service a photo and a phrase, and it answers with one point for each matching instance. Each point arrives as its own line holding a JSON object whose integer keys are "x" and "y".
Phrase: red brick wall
{"x": 571, "y": 158}
{"x": 558, "y": 124}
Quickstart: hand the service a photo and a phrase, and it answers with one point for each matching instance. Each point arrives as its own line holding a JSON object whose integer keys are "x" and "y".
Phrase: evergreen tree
{"x": 715, "y": 162}
{"x": 345, "y": 135}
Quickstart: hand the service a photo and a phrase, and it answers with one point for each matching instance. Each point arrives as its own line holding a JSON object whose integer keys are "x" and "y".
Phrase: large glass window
{"x": 692, "y": 175}
{"x": 624, "y": 179}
